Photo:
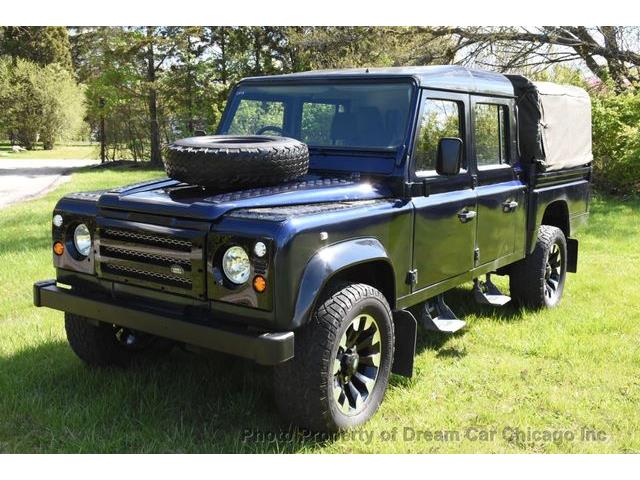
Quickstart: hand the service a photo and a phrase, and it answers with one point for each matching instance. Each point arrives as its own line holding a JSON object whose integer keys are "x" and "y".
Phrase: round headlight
{"x": 82, "y": 240}
{"x": 57, "y": 220}
{"x": 235, "y": 264}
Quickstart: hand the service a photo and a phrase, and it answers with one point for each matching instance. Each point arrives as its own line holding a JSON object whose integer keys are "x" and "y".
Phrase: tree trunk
{"x": 154, "y": 130}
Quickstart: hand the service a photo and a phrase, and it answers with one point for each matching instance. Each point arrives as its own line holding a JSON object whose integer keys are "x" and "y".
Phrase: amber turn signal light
{"x": 58, "y": 248}
{"x": 259, "y": 284}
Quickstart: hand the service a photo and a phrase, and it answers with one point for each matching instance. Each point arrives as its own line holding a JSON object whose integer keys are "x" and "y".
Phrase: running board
{"x": 487, "y": 293}
{"x": 436, "y": 316}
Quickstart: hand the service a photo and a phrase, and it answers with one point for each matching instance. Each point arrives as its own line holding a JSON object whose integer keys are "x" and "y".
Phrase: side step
{"x": 487, "y": 293}
{"x": 436, "y": 316}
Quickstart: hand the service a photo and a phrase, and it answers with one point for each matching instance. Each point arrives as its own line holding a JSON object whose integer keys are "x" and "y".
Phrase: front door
{"x": 445, "y": 219}
{"x": 501, "y": 209}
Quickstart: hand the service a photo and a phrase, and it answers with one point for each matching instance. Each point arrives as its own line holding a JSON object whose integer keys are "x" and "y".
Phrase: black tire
{"x": 304, "y": 386}
{"x": 531, "y": 279}
{"x": 101, "y": 345}
{"x": 229, "y": 162}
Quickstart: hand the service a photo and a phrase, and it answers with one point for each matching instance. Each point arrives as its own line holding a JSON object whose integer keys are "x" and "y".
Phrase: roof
{"x": 441, "y": 77}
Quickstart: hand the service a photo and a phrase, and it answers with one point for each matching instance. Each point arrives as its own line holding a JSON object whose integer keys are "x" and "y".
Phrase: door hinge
{"x": 476, "y": 257}
{"x": 412, "y": 277}
{"x": 474, "y": 181}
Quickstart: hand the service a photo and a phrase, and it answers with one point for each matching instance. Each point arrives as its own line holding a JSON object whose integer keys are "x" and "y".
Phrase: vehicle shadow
{"x": 462, "y": 303}
{"x": 179, "y": 402}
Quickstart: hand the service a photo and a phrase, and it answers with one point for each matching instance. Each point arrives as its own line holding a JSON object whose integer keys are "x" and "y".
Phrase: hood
{"x": 172, "y": 198}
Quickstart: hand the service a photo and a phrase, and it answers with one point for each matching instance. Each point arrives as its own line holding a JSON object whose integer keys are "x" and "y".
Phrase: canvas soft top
{"x": 554, "y": 126}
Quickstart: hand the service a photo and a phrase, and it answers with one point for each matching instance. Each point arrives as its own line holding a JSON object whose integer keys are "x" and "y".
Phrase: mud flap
{"x": 572, "y": 255}
{"x": 405, "y": 327}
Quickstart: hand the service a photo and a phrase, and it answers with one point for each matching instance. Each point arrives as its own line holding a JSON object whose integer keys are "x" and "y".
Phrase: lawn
{"x": 72, "y": 151}
{"x": 539, "y": 380}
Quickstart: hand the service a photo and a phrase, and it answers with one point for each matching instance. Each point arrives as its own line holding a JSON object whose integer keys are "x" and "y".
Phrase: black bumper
{"x": 264, "y": 348}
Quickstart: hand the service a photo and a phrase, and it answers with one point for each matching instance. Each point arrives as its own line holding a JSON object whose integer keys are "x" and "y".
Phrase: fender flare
{"x": 325, "y": 264}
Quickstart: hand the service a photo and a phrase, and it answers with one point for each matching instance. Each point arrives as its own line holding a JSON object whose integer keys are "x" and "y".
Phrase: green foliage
{"x": 616, "y": 141}
{"x": 252, "y": 115}
{"x": 489, "y": 133}
{"x": 39, "y": 102}
{"x": 41, "y": 45}
{"x": 441, "y": 118}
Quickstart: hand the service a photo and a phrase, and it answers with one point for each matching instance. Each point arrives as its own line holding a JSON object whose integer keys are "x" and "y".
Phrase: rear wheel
{"x": 340, "y": 371}
{"x": 538, "y": 280}
{"x": 105, "y": 345}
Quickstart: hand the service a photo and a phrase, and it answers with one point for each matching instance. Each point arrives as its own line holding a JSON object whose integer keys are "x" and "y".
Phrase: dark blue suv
{"x": 324, "y": 221}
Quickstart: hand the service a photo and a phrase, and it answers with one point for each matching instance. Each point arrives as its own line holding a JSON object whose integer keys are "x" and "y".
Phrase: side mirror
{"x": 199, "y": 133}
{"x": 449, "y": 156}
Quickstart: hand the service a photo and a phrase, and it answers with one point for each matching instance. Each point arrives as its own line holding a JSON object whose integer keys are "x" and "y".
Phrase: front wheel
{"x": 538, "y": 280}
{"x": 340, "y": 371}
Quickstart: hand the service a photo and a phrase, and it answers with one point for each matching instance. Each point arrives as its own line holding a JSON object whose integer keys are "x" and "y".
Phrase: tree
{"x": 39, "y": 103}
{"x": 41, "y": 45}
{"x": 609, "y": 52}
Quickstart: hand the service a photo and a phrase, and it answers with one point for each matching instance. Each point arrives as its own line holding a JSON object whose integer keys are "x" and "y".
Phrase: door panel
{"x": 443, "y": 244}
{"x": 501, "y": 212}
{"x": 444, "y": 240}
{"x": 501, "y": 209}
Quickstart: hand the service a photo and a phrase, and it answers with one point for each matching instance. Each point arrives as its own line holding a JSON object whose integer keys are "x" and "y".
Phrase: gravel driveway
{"x": 25, "y": 179}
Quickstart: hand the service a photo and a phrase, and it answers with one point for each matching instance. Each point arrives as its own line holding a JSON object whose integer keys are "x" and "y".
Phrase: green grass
{"x": 572, "y": 368}
{"x": 72, "y": 151}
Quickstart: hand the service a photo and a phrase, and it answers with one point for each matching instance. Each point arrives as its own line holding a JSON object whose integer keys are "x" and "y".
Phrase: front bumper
{"x": 269, "y": 348}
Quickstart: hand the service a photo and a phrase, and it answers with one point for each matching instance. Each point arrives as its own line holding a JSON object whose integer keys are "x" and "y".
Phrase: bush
{"x": 39, "y": 103}
{"x": 616, "y": 142}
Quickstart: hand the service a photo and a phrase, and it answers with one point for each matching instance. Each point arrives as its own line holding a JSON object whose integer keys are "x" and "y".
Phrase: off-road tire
{"x": 527, "y": 278}
{"x": 96, "y": 345}
{"x": 303, "y": 386}
{"x": 228, "y": 162}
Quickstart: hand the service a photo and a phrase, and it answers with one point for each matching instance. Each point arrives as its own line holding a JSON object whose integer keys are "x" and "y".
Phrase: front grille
{"x": 170, "y": 260}
{"x": 135, "y": 273}
{"x": 152, "y": 239}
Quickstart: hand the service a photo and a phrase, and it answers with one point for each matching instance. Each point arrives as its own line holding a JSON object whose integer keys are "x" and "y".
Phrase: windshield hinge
{"x": 417, "y": 189}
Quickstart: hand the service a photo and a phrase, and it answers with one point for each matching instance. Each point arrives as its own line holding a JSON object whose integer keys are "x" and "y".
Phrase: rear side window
{"x": 252, "y": 116}
{"x": 490, "y": 134}
{"x": 440, "y": 118}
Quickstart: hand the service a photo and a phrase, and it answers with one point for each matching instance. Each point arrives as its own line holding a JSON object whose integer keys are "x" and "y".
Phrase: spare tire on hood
{"x": 232, "y": 161}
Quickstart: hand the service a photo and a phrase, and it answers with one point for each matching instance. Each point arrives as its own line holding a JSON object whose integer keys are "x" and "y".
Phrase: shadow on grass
{"x": 181, "y": 402}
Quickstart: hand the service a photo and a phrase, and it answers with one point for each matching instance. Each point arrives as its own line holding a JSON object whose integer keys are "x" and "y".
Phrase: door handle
{"x": 509, "y": 206}
{"x": 466, "y": 215}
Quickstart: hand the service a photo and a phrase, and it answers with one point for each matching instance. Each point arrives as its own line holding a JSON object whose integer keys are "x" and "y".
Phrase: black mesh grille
{"x": 145, "y": 275}
{"x": 154, "y": 260}
{"x": 151, "y": 239}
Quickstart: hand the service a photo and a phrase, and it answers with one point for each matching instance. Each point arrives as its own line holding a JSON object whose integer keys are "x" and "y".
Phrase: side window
{"x": 317, "y": 119}
{"x": 440, "y": 118}
{"x": 252, "y": 115}
{"x": 490, "y": 134}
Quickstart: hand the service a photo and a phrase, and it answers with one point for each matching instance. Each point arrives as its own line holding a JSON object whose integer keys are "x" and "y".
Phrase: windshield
{"x": 352, "y": 115}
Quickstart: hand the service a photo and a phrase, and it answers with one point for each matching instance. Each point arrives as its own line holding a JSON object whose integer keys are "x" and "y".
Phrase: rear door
{"x": 501, "y": 209}
{"x": 445, "y": 226}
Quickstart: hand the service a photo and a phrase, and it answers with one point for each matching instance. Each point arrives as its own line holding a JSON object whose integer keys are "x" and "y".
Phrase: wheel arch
{"x": 556, "y": 214}
{"x": 362, "y": 260}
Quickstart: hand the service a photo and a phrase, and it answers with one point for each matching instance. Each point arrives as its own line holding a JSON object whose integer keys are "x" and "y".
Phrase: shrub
{"x": 616, "y": 141}
{"x": 39, "y": 103}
